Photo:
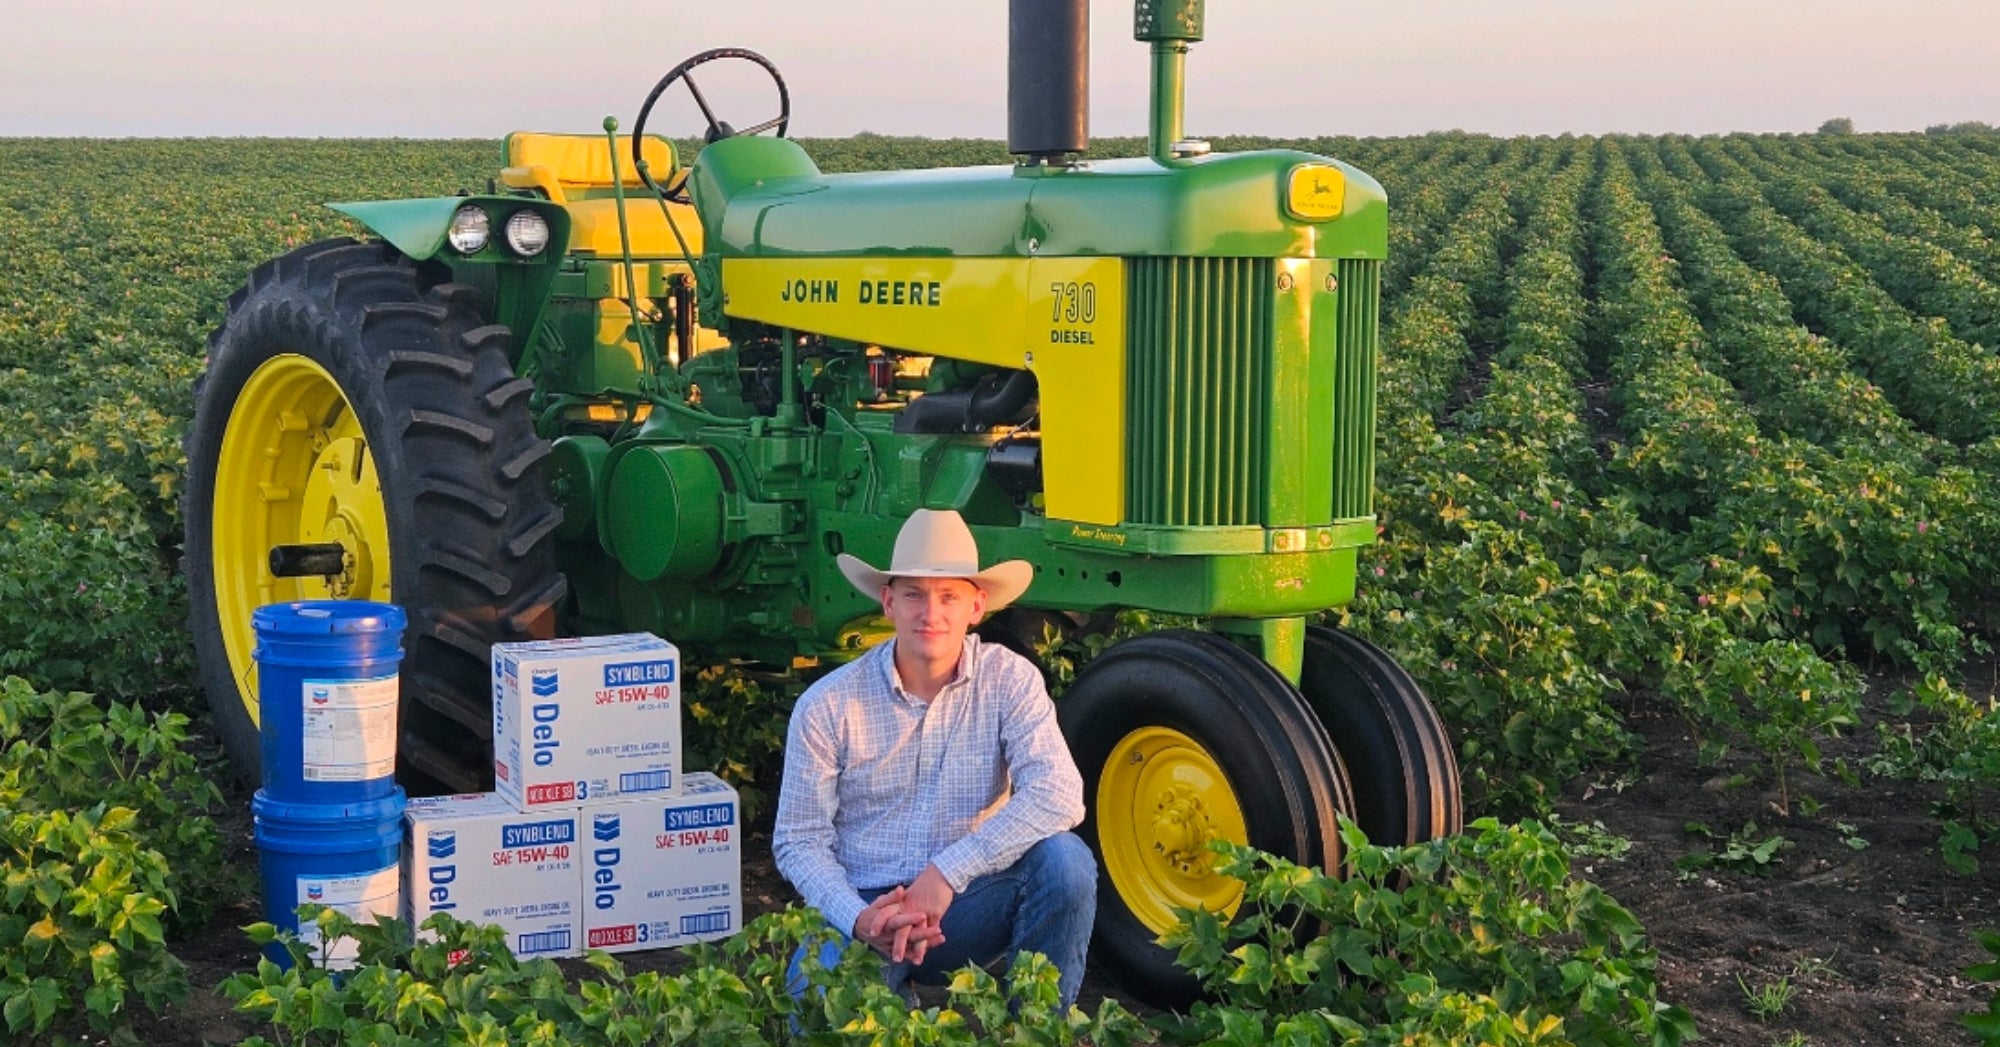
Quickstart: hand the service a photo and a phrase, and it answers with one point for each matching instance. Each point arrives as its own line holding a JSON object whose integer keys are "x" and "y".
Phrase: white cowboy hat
{"x": 935, "y": 543}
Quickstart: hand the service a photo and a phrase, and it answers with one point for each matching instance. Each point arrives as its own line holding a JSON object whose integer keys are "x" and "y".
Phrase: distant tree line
{"x": 1841, "y": 125}
{"x": 1964, "y": 127}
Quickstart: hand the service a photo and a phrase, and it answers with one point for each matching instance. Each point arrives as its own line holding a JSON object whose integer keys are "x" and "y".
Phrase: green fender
{"x": 517, "y": 287}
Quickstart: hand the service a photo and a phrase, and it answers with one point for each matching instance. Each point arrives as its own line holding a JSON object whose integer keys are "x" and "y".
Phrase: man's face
{"x": 931, "y": 615}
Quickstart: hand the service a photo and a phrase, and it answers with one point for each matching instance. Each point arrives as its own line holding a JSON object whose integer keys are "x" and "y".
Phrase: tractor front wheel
{"x": 1182, "y": 738}
{"x": 1395, "y": 748}
{"x": 356, "y": 400}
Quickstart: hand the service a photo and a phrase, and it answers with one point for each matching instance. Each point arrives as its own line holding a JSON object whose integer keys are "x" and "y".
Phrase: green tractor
{"x": 613, "y": 394}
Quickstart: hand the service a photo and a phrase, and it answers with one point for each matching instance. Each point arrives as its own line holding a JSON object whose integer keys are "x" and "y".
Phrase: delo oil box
{"x": 663, "y": 871}
{"x": 476, "y": 857}
{"x": 582, "y": 720}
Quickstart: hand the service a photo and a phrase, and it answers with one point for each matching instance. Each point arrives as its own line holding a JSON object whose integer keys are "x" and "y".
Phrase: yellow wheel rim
{"x": 294, "y": 468}
{"x": 1161, "y": 798}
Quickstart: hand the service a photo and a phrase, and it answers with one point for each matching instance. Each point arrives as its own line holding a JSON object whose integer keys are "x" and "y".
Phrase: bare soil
{"x": 1870, "y": 939}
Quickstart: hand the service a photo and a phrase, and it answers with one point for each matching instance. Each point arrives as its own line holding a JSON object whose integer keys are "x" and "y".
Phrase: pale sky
{"x": 419, "y": 68}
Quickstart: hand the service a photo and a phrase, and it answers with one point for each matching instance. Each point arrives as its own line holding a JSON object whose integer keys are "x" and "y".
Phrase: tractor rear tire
{"x": 352, "y": 395}
{"x": 1183, "y": 737}
{"x": 1398, "y": 757}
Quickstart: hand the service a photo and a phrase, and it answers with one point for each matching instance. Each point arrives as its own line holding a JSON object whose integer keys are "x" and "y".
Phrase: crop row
{"x": 1936, "y": 379}
{"x": 1733, "y": 540}
{"x": 1931, "y": 175}
{"x": 1919, "y": 274}
{"x": 1798, "y": 382}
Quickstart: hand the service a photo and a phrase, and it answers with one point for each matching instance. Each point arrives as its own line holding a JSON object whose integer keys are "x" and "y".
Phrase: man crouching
{"x": 928, "y": 793}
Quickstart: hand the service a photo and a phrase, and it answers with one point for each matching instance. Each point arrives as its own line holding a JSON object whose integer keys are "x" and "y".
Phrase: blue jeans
{"x": 1043, "y": 903}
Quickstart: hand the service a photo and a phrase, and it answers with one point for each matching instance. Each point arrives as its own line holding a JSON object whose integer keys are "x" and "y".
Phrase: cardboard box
{"x": 664, "y": 871}
{"x": 583, "y": 720}
{"x": 476, "y": 857}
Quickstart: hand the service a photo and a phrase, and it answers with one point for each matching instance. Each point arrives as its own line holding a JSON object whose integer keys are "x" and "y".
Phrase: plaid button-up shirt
{"x": 879, "y": 784}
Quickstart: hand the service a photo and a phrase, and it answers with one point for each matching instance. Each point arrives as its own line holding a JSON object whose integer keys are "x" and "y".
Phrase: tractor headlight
{"x": 470, "y": 229}
{"x": 527, "y": 233}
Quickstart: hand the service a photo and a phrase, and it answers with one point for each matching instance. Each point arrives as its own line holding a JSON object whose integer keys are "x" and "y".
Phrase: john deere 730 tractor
{"x": 613, "y": 393}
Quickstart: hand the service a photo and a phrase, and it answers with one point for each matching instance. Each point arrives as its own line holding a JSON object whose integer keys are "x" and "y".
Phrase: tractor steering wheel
{"x": 718, "y": 128}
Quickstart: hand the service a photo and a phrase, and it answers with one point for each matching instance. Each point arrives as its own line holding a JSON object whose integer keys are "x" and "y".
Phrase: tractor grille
{"x": 1200, "y": 383}
{"x": 1199, "y": 332}
{"x": 1360, "y": 296}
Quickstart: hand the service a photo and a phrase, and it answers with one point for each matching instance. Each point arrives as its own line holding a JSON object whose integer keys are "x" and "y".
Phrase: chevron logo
{"x": 543, "y": 683}
{"x": 443, "y": 844}
{"x": 604, "y": 826}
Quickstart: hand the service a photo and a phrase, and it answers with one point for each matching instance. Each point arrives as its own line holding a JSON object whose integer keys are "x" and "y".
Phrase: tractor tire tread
{"x": 455, "y": 367}
{"x": 501, "y": 397}
{"x": 446, "y": 422}
{"x": 430, "y": 380}
{"x": 535, "y": 534}
{"x": 471, "y": 499}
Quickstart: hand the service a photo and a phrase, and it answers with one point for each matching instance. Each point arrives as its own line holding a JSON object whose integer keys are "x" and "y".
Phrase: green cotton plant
{"x": 459, "y": 985}
{"x": 1956, "y": 744}
{"x": 1063, "y": 653}
{"x": 734, "y": 725}
{"x": 1518, "y": 653}
{"x": 1483, "y": 937}
{"x": 1746, "y": 850}
{"x": 86, "y": 599}
{"x": 94, "y": 798}
{"x": 1986, "y": 1024}
{"x": 81, "y": 899}
{"x": 68, "y": 751}
{"x": 1868, "y": 553}
{"x": 1778, "y": 695}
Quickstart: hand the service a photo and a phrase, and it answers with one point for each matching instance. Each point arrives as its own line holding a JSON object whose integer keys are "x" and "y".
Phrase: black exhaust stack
{"x": 1048, "y": 79}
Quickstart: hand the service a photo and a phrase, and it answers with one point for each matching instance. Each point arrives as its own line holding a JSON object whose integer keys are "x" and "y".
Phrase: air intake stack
{"x": 1048, "y": 79}
{"x": 1170, "y": 26}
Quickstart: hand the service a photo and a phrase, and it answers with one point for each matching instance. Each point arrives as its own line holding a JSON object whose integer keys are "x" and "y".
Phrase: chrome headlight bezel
{"x": 471, "y": 229}
{"x": 527, "y": 233}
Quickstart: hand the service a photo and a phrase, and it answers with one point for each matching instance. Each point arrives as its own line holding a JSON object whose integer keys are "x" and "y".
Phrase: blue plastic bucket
{"x": 343, "y": 856}
{"x": 327, "y": 697}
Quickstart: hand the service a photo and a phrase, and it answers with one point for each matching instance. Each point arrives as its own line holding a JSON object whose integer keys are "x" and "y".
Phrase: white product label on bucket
{"x": 350, "y": 729}
{"x": 360, "y": 897}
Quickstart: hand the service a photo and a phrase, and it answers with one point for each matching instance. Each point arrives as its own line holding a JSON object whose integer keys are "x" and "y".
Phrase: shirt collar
{"x": 959, "y": 675}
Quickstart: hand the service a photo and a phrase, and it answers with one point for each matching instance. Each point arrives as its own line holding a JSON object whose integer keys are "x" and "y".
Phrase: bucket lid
{"x": 323, "y": 617}
{"x": 381, "y": 808}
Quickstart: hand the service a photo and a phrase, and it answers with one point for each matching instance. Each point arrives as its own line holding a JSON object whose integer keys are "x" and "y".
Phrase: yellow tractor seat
{"x": 576, "y": 171}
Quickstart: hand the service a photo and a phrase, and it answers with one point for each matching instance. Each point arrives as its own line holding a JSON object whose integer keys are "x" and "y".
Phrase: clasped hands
{"x": 906, "y": 922}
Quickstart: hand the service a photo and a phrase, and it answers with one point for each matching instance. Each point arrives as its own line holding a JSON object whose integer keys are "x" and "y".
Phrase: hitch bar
{"x": 323, "y": 559}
